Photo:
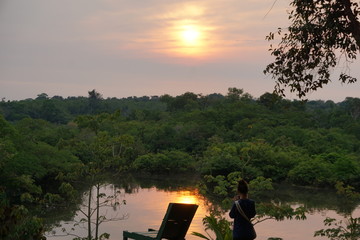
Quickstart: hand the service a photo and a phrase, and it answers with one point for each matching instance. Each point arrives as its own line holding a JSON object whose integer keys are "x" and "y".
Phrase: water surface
{"x": 145, "y": 208}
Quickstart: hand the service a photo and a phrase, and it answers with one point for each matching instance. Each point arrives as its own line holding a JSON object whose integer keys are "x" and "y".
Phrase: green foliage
{"x": 224, "y": 187}
{"x": 260, "y": 185}
{"x": 186, "y": 101}
{"x": 44, "y": 151}
{"x": 347, "y": 191}
{"x": 234, "y": 94}
{"x": 319, "y": 34}
{"x": 278, "y": 212}
{"x": 5, "y": 128}
{"x": 326, "y": 169}
{"x": 68, "y": 191}
{"x": 16, "y": 223}
{"x": 218, "y": 225}
{"x": 311, "y": 172}
{"x": 252, "y": 159}
{"x": 349, "y": 229}
{"x": 222, "y": 159}
{"x": 164, "y": 162}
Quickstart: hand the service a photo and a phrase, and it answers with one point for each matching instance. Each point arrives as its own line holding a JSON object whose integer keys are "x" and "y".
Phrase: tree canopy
{"x": 48, "y": 157}
{"x": 322, "y": 35}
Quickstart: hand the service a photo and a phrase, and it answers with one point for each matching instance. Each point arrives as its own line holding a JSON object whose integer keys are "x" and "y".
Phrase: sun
{"x": 190, "y": 35}
{"x": 189, "y": 38}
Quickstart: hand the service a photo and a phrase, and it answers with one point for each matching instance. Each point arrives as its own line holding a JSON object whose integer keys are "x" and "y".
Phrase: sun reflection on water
{"x": 186, "y": 197}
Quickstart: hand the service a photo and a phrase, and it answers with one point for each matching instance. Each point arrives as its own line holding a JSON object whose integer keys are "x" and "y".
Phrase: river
{"x": 146, "y": 205}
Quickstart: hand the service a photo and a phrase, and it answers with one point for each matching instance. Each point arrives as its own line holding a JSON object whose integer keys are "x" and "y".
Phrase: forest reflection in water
{"x": 147, "y": 201}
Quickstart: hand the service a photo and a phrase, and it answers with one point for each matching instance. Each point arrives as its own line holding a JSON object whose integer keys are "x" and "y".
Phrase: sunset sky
{"x": 142, "y": 47}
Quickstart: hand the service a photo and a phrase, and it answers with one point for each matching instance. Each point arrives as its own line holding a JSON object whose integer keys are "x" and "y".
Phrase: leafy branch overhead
{"x": 322, "y": 34}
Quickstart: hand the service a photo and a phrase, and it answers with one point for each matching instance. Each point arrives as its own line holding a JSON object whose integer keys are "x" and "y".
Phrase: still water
{"x": 145, "y": 207}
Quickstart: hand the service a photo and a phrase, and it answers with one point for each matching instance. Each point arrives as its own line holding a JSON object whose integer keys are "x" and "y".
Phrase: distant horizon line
{"x": 4, "y": 99}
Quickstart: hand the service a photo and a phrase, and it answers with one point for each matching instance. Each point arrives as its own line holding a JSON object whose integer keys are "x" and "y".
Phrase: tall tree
{"x": 94, "y": 100}
{"x": 322, "y": 32}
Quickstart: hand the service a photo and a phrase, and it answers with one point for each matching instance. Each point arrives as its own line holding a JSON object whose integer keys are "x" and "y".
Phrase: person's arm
{"x": 253, "y": 210}
{"x": 232, "y": 211}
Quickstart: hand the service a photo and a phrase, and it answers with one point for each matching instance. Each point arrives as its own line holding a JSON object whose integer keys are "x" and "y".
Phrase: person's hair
{"x": 243, "y": 186}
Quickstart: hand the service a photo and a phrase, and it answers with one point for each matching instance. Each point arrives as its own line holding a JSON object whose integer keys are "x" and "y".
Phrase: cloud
{"x": 126, "y": 48}
{"x": 152, "y": 29}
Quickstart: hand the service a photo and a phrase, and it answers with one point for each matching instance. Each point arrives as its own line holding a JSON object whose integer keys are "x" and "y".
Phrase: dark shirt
{"x": 242, "y": 227}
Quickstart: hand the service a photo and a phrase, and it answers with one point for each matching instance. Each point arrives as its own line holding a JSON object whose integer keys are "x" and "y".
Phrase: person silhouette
{"x": 242, "y": 210}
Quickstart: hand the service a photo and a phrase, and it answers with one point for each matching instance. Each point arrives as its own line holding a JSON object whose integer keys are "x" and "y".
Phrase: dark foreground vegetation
{"x": 49, "y": 145}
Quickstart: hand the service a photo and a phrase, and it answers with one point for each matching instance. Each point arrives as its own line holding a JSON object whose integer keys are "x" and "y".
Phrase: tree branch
{"x": 354, "y": 23}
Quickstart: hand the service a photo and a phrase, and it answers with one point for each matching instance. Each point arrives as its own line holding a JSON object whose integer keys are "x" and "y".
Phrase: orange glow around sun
{"x": 184, "y": 32}
{"x": 187, "y": 32}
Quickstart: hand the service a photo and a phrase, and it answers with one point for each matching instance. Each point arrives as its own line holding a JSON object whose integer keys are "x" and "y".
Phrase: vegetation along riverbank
{"x": 51, "y": 146}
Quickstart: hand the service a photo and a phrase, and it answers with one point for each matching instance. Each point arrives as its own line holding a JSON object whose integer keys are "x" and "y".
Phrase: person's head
{"x": 243, "y": 187}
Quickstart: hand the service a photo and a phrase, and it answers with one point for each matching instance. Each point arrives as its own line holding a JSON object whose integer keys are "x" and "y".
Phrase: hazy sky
{"x": 127, "y": 48}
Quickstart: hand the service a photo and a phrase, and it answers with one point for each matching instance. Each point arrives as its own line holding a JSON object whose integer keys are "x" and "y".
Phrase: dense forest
{"x": 48, "y": 144}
